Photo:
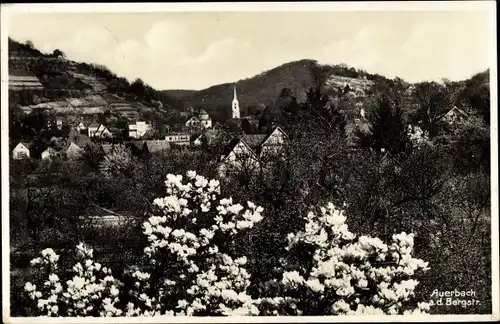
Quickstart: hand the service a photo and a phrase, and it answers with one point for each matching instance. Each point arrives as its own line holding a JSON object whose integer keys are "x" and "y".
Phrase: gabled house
{"x": 81, "y": 127}
{"x": 138, "y": 129}
{"x": 240, "y": 156}
{"x": 92, "y": 128}
{"x": 103, "y": 132}
{"x": 21, "y": 151}
{"x": 273, "y": 143}
{"x": 205, "y": 120}
{"x": 49, "y": 153}
{"x": 193, "y": 122}
{"x": 454, "y": 115}
{"x": 73, "y": 150}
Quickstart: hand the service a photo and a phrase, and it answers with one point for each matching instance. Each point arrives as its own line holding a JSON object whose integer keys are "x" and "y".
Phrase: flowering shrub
{"x": 417, "y": 136}
{"x": 328, "y": 271}
{"x": 92, "y": 291}
{"x": 193, "y": 266}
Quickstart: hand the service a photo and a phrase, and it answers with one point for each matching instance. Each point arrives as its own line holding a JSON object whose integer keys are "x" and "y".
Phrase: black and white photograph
{"x": 289, "y": 162}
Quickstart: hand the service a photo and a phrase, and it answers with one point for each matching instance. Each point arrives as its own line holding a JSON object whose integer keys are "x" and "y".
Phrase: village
{"x": 140, "y": 138}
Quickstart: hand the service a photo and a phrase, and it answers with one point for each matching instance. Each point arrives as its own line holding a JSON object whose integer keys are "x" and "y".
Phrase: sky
{"x": 195, "y": 50}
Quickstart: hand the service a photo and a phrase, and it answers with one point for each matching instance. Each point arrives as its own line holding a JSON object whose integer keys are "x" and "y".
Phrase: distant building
{"x": 92, "y": 128}
{"x": 81, "y": 127}
{"x": 49, "y": 153}
{"x": 454, "y": 115}
{"x": 235, "y": 107}
{"x": 206, "y": 121}
{"x": 21, "y": 151}
{"x": 138, "y": 129}
{"x": 73, "y": 151}
{"x": 193, "y": 122}
{"x": 238, "y": 156}
{"x": 273, "y": 143}
{"x": 103, "y": 132}
{"x": 178, "y": 139}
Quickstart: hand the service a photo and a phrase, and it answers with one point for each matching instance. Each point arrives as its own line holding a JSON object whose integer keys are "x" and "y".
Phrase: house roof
{"x": 277, "y": 128}
{"x": 231, "y": 146}
{"x": 94, "y": 124}
{"x": 157, "y": 145}
{"x": 254, "y": 140}
{"x": 50, "y": 149}
{"x": 80, "y": 139}
{"x": 26, "y": 144}
{"x": 107, "y": 148}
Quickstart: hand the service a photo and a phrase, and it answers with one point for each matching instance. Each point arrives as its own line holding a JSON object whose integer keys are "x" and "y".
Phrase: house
{"x": 92, "y": 128}
{"x": 49, "y": 153}
{"x": 206, "y": 121}
{"x": 178, "y": 138}
{"x": 103, "y": 132}
{"x": 81, "y": 127}
{"x": 138, "y": 129}
{"x": 253, "y": 140}
{"x": 238, "y": 155}
{"x": 193, "y": 122}
{"x": 80, "y": 139}
{"x": 211, "y": 136}
{"x": 454, "y": 115}
{"x": 21, "y": 151}
{"x": 273, "y": 142}
{"x": 157, "y": 146}
{"x": 72, "y": 150}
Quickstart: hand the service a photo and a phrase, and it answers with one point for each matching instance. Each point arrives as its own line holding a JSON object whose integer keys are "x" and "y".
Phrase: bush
{"x": 194, "y": 264}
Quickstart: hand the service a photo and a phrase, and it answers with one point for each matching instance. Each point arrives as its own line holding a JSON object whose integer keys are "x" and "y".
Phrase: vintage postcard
{"x": 250, "y": 162}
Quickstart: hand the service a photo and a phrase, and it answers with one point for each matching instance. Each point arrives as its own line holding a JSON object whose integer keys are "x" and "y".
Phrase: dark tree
{"x": 58, "y": 53}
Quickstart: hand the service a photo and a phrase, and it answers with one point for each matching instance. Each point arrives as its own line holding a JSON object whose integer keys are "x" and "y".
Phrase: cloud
{"x": 168, "y": 39}
{"x": 225, "y": 51}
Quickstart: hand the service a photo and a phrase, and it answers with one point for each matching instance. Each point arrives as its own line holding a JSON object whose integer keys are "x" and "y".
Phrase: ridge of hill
{"x": 80, "y": 90}
{"x": 264, "y": 88}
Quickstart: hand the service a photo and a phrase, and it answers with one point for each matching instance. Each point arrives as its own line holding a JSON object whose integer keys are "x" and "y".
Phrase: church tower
{"x": 235, "y": 106}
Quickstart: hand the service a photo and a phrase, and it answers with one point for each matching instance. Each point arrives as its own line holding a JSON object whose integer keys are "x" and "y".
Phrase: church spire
{"x": 235, "y": 105}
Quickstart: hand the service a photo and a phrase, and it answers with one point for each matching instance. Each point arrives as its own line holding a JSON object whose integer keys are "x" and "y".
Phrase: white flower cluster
{"x": 193, "y": 266}
{"x": 363, "y": 276}
{"x": 193, "y": 231}
{"x": 92, "y": 291}
{"x": 417, "y": 136}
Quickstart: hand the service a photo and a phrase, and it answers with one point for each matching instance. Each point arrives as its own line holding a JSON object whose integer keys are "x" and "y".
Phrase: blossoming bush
{"x": 193, "y": 265}
{"x": 417, "y": 136}
{"x": 328, "y": 271}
